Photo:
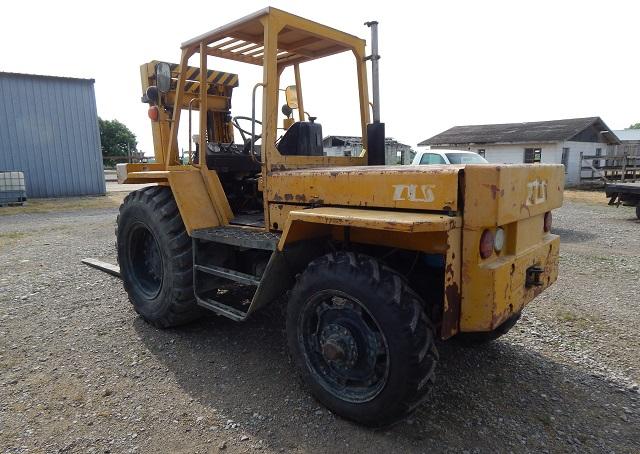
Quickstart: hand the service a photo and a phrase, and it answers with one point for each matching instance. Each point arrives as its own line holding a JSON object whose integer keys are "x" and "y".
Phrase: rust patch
{"x": 278, "y": 167}
{"x": 494, "y": 190}
{"x": 451, "y": 315}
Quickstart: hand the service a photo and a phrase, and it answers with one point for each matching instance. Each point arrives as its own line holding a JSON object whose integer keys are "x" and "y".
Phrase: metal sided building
{"x": 49, "y": 131}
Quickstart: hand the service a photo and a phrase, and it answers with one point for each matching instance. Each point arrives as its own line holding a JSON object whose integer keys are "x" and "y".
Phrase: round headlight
{"x": 498, "y": 239}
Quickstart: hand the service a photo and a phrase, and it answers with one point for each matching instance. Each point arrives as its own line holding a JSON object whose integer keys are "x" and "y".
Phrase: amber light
{"x": 486, "y": 244}
{"x": 548, "y": 220}
{"x": 153, "y": 113}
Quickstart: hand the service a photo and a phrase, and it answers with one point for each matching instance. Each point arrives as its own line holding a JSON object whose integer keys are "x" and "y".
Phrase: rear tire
{"x": 154, "y": 253}
{"x": 361, "y": 339}
{"x": 638, "y": 210}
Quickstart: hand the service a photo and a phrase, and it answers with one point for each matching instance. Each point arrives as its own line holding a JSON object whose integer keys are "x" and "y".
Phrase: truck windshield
{"x": 466, "y": 158}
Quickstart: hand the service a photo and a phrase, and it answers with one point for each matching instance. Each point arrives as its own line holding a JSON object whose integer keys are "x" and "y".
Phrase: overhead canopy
{"x": 300, "y": 40}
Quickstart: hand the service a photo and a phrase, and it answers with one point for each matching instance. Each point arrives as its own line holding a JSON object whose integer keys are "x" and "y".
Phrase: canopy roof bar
{"x": 243, "y": 40}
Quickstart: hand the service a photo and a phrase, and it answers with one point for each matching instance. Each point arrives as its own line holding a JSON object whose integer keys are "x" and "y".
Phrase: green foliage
{"x": 634, "y": 126}
{"x": 116, "y": 138}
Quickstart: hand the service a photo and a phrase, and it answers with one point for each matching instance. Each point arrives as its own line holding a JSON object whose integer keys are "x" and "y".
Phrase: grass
{"x": 568, "y": 316}
{"x": 10, "y": 237}
{"x": 578, "y": 320}
{"x": 111, "y": 200}
{"x": 594, "y": 197}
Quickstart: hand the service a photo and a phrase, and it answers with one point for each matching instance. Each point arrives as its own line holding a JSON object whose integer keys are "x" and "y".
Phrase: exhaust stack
{"x": 375, "y": 130}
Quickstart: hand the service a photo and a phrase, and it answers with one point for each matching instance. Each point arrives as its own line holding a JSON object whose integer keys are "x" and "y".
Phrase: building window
{"x": 481, "y": 152}
{"x": 565, "y": 159}
{"x": 596, "y": 162}
{"x": 532, "y": 155}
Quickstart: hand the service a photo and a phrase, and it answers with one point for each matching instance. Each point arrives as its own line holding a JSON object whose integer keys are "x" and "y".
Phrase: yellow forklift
{"x": 375, "y": 261}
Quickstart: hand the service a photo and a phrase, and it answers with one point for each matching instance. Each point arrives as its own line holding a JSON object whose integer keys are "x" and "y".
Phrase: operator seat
{"x": 303, "y": 138}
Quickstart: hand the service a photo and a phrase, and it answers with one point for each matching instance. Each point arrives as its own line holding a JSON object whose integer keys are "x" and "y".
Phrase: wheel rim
{"x": 145, "y": 260}
{"x": 344, "y": 347}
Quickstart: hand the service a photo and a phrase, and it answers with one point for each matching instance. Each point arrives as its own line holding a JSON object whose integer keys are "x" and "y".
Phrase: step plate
{"x": 222, "y": 309}
{"x": 239, "y": 236}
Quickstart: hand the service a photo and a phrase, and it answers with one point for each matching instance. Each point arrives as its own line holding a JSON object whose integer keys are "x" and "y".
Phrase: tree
{"x": 116, "y": 138}
{"x": 635, "y": 126}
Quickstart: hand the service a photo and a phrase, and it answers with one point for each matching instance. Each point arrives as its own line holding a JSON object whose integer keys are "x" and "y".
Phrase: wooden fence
{"x": 597, "y": 169}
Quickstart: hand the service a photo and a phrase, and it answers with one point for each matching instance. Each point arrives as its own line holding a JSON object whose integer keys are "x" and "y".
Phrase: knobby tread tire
{"x": 175, "y": 304}
{"x": 401, "y": 315}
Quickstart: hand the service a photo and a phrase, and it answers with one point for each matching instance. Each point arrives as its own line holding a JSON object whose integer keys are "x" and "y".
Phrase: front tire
{"x": 361, "y": 339}
{"x": 154, "y": 253}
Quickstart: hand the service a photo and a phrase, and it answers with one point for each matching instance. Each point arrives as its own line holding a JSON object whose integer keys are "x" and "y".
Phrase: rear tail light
{"x": 153, "y": 113}
{"x": 548, "y": 219}
{"x": 498, "y": 242}
{"x": 486, "y": 244}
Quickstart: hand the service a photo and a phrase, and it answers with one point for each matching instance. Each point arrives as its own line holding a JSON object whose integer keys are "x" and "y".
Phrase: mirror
{"x": 291, "y": 93}
{"x": 163, "y": 77}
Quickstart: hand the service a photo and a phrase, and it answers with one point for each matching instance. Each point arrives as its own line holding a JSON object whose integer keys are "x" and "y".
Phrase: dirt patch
{"x": 111, "y": 200}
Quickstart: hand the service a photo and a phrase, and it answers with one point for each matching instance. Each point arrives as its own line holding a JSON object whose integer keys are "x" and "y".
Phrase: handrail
{"x": 190, "y": 139}
{"x": 253, "y": 123}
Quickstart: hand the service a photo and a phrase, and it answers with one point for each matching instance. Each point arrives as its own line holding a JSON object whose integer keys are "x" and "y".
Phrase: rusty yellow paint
{"x": 218, "y": 198}
{"x": 377, "y": 219}
{"x": 514, "y": 198}
{"x": 278, "y": 214}
{"x": 493, "y": 290}
{"x": 452, "y": 283}
{"x": 193, "y": 200}
{"x": 500, "y": 194}
{"x": 409, "y": 187}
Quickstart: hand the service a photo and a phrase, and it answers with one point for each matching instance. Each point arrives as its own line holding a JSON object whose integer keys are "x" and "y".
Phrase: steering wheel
{"x": 246, "y": 135}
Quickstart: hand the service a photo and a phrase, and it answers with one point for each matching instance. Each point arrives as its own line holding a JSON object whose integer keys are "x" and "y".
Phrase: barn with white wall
{"x": 556, "y": 141}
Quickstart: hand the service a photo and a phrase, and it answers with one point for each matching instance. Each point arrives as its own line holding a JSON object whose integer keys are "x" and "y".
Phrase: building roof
{"x": 628, "y": 135}
{"x": 531, "y": 132}
{"x": 3, "y": 73}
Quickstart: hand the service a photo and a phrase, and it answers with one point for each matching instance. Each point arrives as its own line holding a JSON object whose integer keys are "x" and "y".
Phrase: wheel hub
{"x": 338, "y": 346}
{"x": 344, "y": 346}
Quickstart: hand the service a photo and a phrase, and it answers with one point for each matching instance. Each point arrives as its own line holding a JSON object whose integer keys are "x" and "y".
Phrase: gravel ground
{"x": 80, "y": 372}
